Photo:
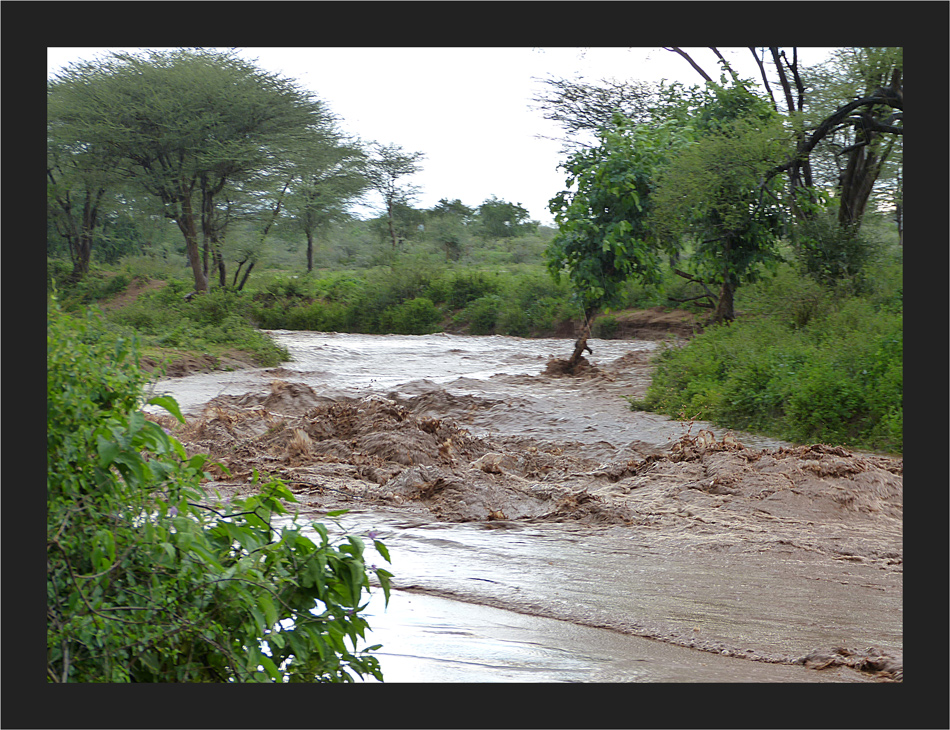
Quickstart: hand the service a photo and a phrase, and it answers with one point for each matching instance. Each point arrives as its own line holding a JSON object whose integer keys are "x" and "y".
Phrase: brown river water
{"x": 542, "y": 531}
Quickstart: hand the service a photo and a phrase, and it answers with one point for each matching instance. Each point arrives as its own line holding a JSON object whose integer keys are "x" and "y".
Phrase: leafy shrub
{"x": 837, "y": 379}
{"x": 216, "y": 320}
{"x": 831, "y": 254}
{"x": 482, "y": 314}
{"x": 91, "y": 288}
{"x": 606, "y": 327}
{"x": 145, "y": 582}
{"x": 461, "y": 288}
{"x": 417, "y": 316}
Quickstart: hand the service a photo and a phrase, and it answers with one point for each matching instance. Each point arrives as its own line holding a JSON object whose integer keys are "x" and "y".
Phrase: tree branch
{"x": 692, "y": 299}
{"x": 690, "y": 277}
{"x": 765, "y": 79}
{"x": 886, "y": 97}
{"x": 692, "y": 63}
{"x": 783, "y": 79}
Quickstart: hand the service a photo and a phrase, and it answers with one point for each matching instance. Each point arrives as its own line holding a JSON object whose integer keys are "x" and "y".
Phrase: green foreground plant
{"x": 146, "y": 581}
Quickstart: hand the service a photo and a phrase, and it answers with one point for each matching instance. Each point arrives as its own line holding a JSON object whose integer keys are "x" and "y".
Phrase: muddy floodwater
{"x": 542, "y": 531}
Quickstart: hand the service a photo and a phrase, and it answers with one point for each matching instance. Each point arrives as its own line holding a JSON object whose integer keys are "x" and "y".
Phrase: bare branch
{"x": 693, "y": 299}
{"x": 783, "y": 79}
{"x": 765, "y": 78}
{"x": 885, "y": 96}
{"x": 690, "y": 277}
{"x": 692, "y": 63}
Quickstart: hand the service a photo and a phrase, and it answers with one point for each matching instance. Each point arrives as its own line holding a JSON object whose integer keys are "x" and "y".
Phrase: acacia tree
{"x": 498, "y": 218}
{"x": 78, "y": 180}
{"x": 387, "y": 165}
{"x": 327, "y": 178}
{"x": 581, "y": 108}
{"x": 183, "y": 125}
{"x": 446, "y": 224}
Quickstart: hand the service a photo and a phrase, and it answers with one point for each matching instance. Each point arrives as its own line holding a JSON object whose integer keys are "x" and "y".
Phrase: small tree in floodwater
{"x": 604, "y": 235}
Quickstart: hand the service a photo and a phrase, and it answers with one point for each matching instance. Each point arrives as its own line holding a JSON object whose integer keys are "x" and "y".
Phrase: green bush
{"x": 835, "y": 375}
{"x": 418, "y": 316}
{"x": 831, "y": 254}
{"x": 217, "y": 320}
{"x": 145, "y": 583}
{"x": 91, "y": 288}
{"x": 482, "y": 314}
{"x": 606, "y": 327}
{"x": 461, "y": 288}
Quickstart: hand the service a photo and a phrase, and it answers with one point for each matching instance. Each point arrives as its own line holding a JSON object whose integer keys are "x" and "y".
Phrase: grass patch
{"x": 216, "y": 323}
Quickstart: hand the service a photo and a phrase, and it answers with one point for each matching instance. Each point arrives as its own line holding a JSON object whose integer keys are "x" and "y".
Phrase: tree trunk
{"x": 856, "y": 184}
{"x": 219, "y": 263}
{"x": 581, "y": 343}
{"x": 899, "y": 219}
{"x": 309, "y": 250}
{"x": 186, "y": 223}
{"x": 725, "y": 311}
{"x": 237, "y": 272}
{"x": 392, "y": 228}
{"x": 79, "y": 236}
{"x": 246, "y": 275}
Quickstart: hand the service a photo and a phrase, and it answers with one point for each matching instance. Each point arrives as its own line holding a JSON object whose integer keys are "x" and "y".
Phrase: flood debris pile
{"x": 375, "y": 450}
{"x": 815, "y": 505}
{"x": 880, "y": 664}
{"x": 704, "y": 492}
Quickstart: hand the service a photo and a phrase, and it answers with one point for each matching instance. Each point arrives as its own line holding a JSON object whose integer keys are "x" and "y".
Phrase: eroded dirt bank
{"x": 430, "y": 452}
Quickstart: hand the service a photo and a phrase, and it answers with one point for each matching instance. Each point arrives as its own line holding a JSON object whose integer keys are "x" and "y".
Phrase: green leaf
{"x": 384, "y": 575}
{"x": 382, "y": 550}
{"x": 169, "y": 404}
{"x": 270, "y": 613}
{"x": 108, "y": 451}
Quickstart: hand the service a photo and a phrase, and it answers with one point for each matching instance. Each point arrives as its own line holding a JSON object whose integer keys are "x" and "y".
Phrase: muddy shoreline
{"x": 522, "y": 453}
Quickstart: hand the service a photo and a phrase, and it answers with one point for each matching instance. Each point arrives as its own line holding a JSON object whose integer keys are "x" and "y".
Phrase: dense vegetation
{"x": 147, "y": 578}
{"x": 806, "y": 362}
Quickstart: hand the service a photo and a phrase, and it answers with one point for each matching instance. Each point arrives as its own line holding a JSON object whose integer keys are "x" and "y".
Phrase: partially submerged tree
{"x": 699, "y": 178}
{"x": 604, "y": 236}
{"x": 183, "y": 125}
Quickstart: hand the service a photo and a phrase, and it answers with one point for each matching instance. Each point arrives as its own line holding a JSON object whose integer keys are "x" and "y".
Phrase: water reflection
{"x": 431, "y": 639}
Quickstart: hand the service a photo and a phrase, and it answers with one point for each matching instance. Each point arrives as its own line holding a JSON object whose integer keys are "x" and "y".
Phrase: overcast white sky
{"x": 468, "y": 109}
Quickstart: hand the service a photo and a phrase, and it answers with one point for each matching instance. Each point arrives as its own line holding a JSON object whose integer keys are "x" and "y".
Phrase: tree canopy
{"x": 696, "y": 175}
{"x": 184, "y": 124}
